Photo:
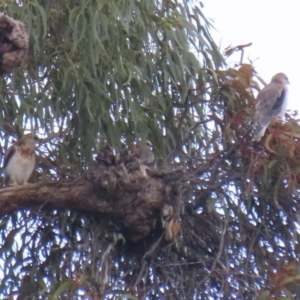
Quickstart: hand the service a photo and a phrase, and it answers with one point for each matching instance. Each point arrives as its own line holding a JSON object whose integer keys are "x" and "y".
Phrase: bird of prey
{"x": 19, "y": 161}
{"x": 143, "y": 151}
{"x": 271, "y": 102}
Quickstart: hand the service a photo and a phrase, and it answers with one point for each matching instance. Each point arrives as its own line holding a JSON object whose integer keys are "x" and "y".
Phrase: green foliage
{"x": 108, "y": 72}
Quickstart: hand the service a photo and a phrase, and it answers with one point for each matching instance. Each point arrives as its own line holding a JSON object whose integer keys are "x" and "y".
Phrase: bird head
{"x": 149, "y": 144}
{"x": 143, "y": 144}
{"x": 28, "y": 140}
{"x": 143, "y": 151}
{"x": 280, "y": 78}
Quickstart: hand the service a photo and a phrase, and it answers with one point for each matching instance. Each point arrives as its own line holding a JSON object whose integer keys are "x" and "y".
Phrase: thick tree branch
{"x": 75, "y": 194}
{"x": 111, "y": 188}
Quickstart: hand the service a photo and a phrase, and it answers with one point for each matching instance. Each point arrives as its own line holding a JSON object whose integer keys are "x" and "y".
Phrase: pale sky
{"x": 271, "y": 25}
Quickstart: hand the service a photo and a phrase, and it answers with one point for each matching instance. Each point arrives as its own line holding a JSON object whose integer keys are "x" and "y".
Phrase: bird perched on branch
{"x": 144, "y": 156}
{"x": 143, "y": 151}
{"x": 19, "y": 161}
{"x": 271, "y": 103}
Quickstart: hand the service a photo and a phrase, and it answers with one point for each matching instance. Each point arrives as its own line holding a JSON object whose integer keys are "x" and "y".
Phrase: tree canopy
{"x": 217, "y": 218}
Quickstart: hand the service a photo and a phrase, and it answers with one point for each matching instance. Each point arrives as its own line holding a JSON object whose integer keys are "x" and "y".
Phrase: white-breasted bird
{"x": 19, "y": 161}
{"x": 271, "y": 102}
